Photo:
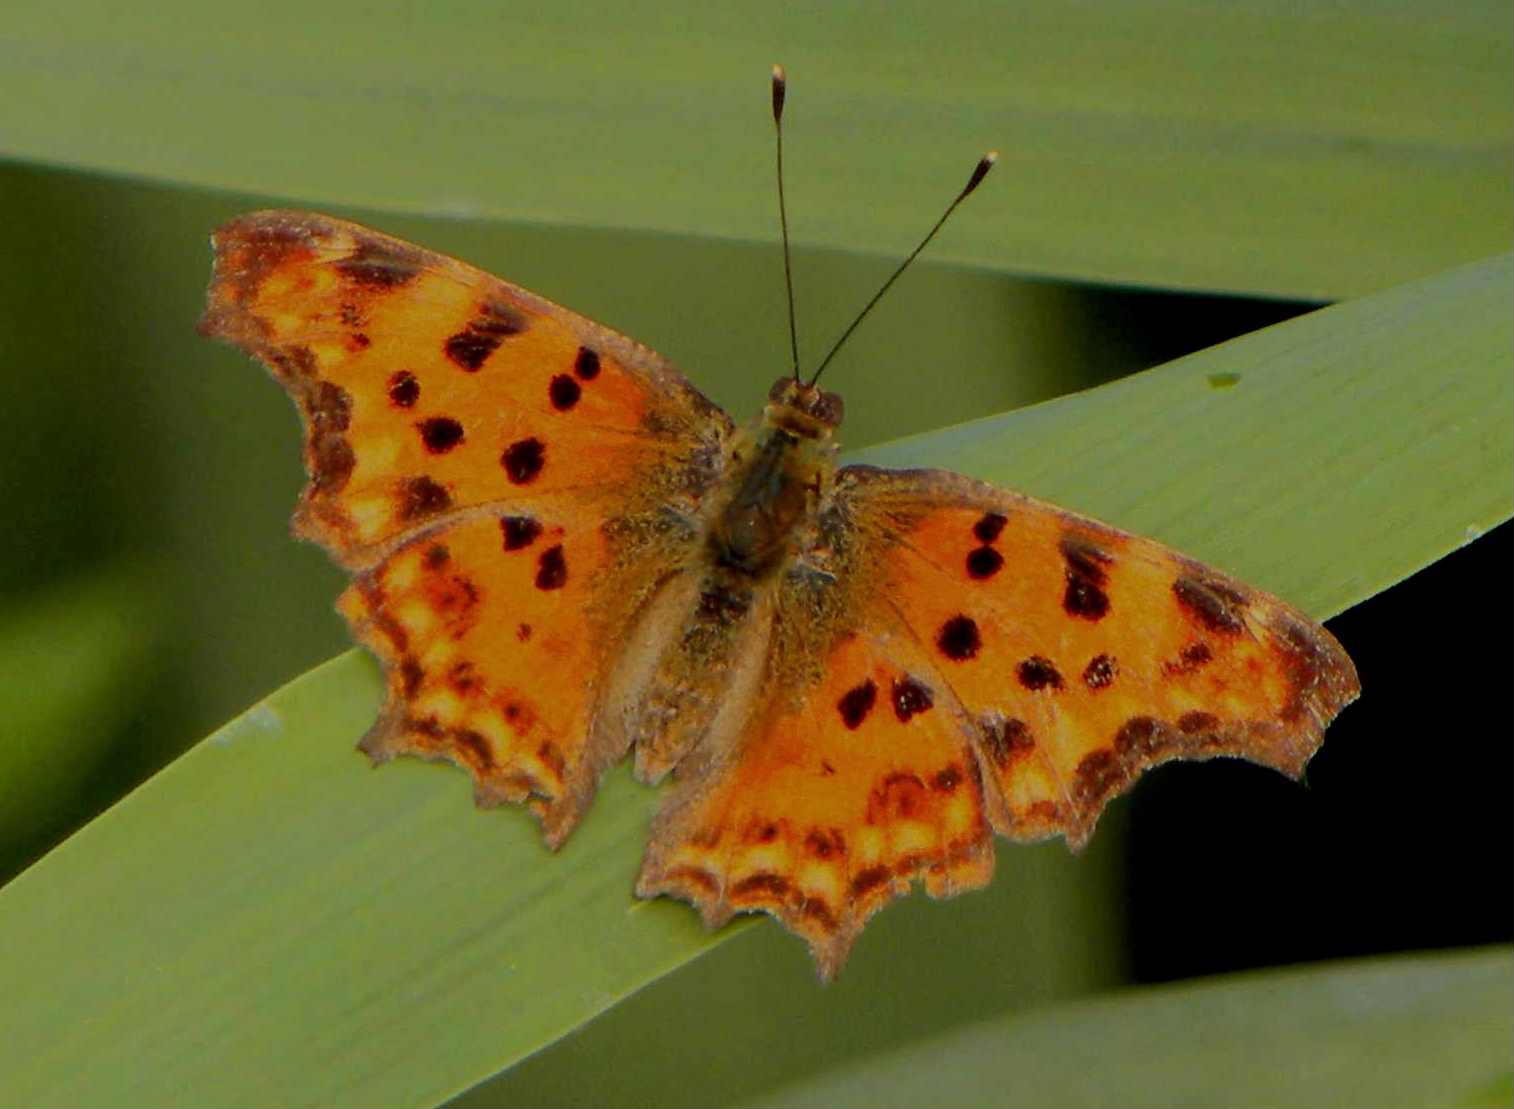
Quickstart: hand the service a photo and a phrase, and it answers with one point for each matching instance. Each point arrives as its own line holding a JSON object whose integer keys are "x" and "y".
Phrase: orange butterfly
{"x": 562, "y": 552}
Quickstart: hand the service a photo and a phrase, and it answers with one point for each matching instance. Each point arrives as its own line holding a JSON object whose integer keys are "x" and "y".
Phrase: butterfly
{"x": 564, "y": 554}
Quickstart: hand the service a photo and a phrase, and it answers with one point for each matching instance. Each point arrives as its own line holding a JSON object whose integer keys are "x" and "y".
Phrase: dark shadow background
{"x": 1400, "y": 838}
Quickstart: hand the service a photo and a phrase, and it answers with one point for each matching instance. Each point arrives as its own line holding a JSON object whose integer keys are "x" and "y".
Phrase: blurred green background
{"x": 1172, "y": 175}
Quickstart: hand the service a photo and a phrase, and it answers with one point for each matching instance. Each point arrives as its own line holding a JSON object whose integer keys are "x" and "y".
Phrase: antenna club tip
{"x": 980, "y": 171}
{"x": 780, "y": 86}
{"x": 779, "y": 76}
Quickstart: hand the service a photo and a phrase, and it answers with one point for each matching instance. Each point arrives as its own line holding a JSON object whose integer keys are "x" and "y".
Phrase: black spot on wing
{"x": 471, "y": 347}
{"x": 440, "y": 434}
{"x": 856, "y": 703}
{"x": 911, "y": 698}
{"x": 552, "y": 568}
{"x": 404, "y": 390}
{"x": 959, "y": 639}
{"x": 1192, "y": 658}
{"x": 586, "y": 365}
{"x": 1140, "y": 736}
{"x": 757, "y": 885}
{"x": 519, "y": 531}
{"x": 332, "y": 463}
{"x": 1214, "y": 604}
{"x": 983, "y": 563}
{"x": 1100, "y": 671}
{"x": 380, "y": 265}
{"x": 1085, "y": 597}
{"x": 988, "y": 528}
{"x": 869, "y": 879}
{"x": 825, "y": 843}
{"x": 563, "y": 391}
{"x": 1038, "y": 672}
{"x": 523, "y": 460}
{"x": 948, "y": 779}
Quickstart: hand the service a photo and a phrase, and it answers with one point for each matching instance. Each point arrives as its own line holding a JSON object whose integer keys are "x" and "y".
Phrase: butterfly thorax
{"x": 785, "y": 467}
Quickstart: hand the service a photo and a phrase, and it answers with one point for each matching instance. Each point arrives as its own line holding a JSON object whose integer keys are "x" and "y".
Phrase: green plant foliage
{"x": 1302, "y": 150}
{"x": 286, "y": 925}
{"x": 1410, "y": 1030}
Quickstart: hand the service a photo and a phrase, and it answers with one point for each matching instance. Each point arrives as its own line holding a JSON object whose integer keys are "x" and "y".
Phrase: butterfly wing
{"x": 832, "y": 801}
{"x": 428, "y": 387}
{"x": 976, "y": 659}
{"x": 509, "y": 482}
{"x": 1085, "y": 654}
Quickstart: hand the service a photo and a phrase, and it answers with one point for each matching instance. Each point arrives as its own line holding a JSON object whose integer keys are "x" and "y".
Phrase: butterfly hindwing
{"x": 832, "y": 802}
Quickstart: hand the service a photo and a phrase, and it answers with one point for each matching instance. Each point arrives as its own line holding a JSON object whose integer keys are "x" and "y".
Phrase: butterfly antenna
{"x": 780, "y": 87}
{"x": 980, "y": 171}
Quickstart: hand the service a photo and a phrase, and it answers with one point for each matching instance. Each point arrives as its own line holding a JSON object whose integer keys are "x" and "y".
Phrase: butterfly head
{"x": 803, "y": 410}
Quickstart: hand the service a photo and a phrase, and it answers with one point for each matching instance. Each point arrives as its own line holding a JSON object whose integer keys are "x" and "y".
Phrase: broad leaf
{"x": 1410, "y": 1030}
{"x": 1295, "y": 150}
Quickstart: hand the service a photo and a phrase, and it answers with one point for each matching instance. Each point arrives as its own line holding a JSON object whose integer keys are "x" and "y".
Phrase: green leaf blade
{"x": 1285, "y": 150}
{"x": 1410, "y": 1030}
{"x": 286, "y": 899}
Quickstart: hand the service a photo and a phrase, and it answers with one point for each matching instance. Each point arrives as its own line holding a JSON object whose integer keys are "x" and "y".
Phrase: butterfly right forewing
{"x": 429, "y": 387}
{"x": 1084, "y": 654}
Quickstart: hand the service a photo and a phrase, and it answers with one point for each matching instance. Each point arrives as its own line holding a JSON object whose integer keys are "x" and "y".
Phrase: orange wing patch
{"x": 829, "y": 807}
{"x": 427, "y": 386}
{"x": 1086, "y": 654}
